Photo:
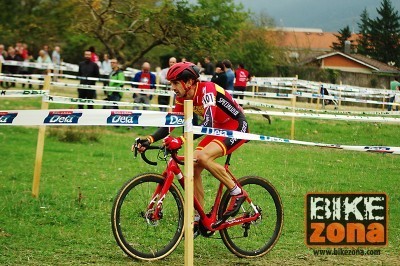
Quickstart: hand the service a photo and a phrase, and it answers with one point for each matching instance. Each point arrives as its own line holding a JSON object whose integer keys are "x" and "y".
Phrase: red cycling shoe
{"x": 235, "y": 203}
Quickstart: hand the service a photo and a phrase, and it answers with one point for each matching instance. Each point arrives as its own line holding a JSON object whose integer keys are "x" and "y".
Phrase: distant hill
{"x": 328, "y": 15}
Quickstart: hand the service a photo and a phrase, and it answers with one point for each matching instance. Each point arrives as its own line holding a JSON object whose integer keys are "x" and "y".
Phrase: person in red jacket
{"x": 242, "y": 76}
{"x": 146, "y": 80}
{"x": 219, "y": 110}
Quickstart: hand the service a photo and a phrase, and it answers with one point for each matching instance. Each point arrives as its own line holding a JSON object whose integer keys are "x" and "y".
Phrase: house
{"x": 355, "y": 63}
{"x": 302, "y": 43}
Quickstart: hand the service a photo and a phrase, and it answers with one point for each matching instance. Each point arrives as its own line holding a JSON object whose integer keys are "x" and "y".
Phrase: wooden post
{"x": 294, "y": 89}
{"x": 171, "y": 99}
{"x": 383, "y": 103}
{"x": 188, "y": 173}
{"x": 1, "y": 67}
{"x": 40, "y": 145}
{"x": 319, "y": 95}
{"x": 340, "y": 95}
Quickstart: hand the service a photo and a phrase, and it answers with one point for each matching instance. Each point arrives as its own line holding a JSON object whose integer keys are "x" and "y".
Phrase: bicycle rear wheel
{"x": 138, "y": 237}
{"x": 261, "y": 235}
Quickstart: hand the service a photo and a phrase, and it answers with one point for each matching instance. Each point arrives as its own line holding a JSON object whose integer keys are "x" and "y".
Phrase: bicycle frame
{"x": 209, "y": 221}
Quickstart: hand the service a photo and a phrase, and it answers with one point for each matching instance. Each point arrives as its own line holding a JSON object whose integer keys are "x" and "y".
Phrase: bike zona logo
{"x": 346, "y": 219}
{"x": 123, "y": 118}
{"x": 7, "y": 118}
{"x": 62, "y": 117}
{"x": 174, "y": 120}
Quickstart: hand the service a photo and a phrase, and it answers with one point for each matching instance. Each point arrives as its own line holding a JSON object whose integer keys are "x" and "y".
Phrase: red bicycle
{"x": 147, "y": 216}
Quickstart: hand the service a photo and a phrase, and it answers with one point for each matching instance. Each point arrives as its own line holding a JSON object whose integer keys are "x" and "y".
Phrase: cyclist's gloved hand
{"x": 173, "y": 143}
{"x": 141, "y": 144}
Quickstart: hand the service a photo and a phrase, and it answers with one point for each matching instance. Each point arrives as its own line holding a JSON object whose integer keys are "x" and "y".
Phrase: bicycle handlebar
{"x": 172, "y": 152}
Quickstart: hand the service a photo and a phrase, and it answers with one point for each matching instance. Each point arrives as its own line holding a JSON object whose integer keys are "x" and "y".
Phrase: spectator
{"x": 87, "y": 68}
{"x": 163, "y": 81}
{"x": 183, "y": 59}
{"x": 3, "y": 53}
{"x": 56, "y": 58}
{"x": 148, "y": 81}
{"x": 230, "y": 75}
{"x": 43, "y": 58}
{"x": 94, "y": 56}
{"x": 118, "y": 75}
{"x": 106, "y": 68}
{"x": 208, "y": 66}
{"x": 46, "y": 49}
{"x": 24, "y": 70}
{"x": 200, "y": 66}
{"x": 12, "y": 69}
{"x": 242, "y": 76}
{"x": 394, "y": 86}
{"x": 219, "y": 76}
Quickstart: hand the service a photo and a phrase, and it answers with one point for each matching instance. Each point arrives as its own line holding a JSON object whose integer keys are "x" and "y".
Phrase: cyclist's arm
{"x": 162, "y": 132}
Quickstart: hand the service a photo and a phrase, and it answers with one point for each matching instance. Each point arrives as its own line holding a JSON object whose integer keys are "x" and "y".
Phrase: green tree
{"x": 131, "y": 29}
{"x": 364, "y": 27}
{"x": 384, "y": 34}
{"x": 343, "y": 36}
{"x": 252, "y": 47}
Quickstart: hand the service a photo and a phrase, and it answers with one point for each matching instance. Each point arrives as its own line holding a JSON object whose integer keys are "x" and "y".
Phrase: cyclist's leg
{"x": 197, "y": 180}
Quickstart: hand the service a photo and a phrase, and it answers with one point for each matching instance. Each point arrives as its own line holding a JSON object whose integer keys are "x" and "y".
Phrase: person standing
{"x": 219, "y": 76}
{"x": 147, "y": 80}
{"x": 12, "y": 55}
{"x": 106, "y": 68}
{"x": 230, "y": 75}
{"x": 394, "y": 86}
{"x": 164, "y": 100}
{"x": 87, "y": 68}
{"x": 208, "y": 66}
{"x": 56, "y": 58}
{"x": 118, "y": 75}
{"x": 242, "y": 76}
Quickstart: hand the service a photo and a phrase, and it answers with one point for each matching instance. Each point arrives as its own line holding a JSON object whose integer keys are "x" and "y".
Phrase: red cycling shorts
{"x": 228, "y": 145}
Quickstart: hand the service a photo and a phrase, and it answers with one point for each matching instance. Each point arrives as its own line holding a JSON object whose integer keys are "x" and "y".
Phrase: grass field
{"x": 69, "y": 224}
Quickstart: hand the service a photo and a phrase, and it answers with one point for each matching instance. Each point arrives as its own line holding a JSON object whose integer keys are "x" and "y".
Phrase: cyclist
{"x": 220, "y": 111}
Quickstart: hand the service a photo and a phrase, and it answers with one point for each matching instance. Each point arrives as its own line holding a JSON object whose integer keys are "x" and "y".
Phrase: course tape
{"x": 72, "y": 100}
{"x": 21, "y": 80}
{"x": 23, "y": 93}
{"x": 255, "y": 81}
{"x": 277, "y": 106}
{"x": 90, "y": 117}
{"x": 375, "y": 119}
{"x": 119, "y": 89}
{"x": 249, "y": 136}
{"x": 98, "y": 117}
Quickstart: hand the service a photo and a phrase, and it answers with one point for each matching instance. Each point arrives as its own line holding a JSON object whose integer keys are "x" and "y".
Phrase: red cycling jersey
{"x": 219, "y": 110}
{"x": 214, "y": 104}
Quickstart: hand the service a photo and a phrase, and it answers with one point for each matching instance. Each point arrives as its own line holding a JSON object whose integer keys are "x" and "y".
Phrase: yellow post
{"x": 188, "y": 173}
{"x": 340, "y": 95}
{"x": 1, "y": 66}
{"x": 383, "y": 103}
{"x": 171, "y": 99}
{"x": 40, "y": 145}
{"x": 294, "y": 89}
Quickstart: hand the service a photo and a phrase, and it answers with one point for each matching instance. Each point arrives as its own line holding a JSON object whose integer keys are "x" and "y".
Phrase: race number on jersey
{"x": 208, "y": 100}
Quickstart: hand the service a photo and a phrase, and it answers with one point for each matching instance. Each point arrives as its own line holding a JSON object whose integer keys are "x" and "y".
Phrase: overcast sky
{"x": 330, "y": 15}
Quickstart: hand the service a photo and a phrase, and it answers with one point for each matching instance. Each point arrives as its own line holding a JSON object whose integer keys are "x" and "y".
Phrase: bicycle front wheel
{"x": 257, "y": 238}
{"x": 137, "y": 236}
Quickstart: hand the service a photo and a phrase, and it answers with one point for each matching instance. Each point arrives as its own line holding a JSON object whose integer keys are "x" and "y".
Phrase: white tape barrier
{"x": 375, "y": 119}
{"x": 21, "y": 80}
{"x": 96, "y": 117}
{"x": 249, "y": 136}
{"x": 23, "y": 93}
{"x": 256, "y": 81}
{"x": 118, "y": 89}
{"x": 71, "y": 100}
{"x": 277, "y": 106}
{"x": 90, "y": 117}
{"x": 104, "y": 80}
